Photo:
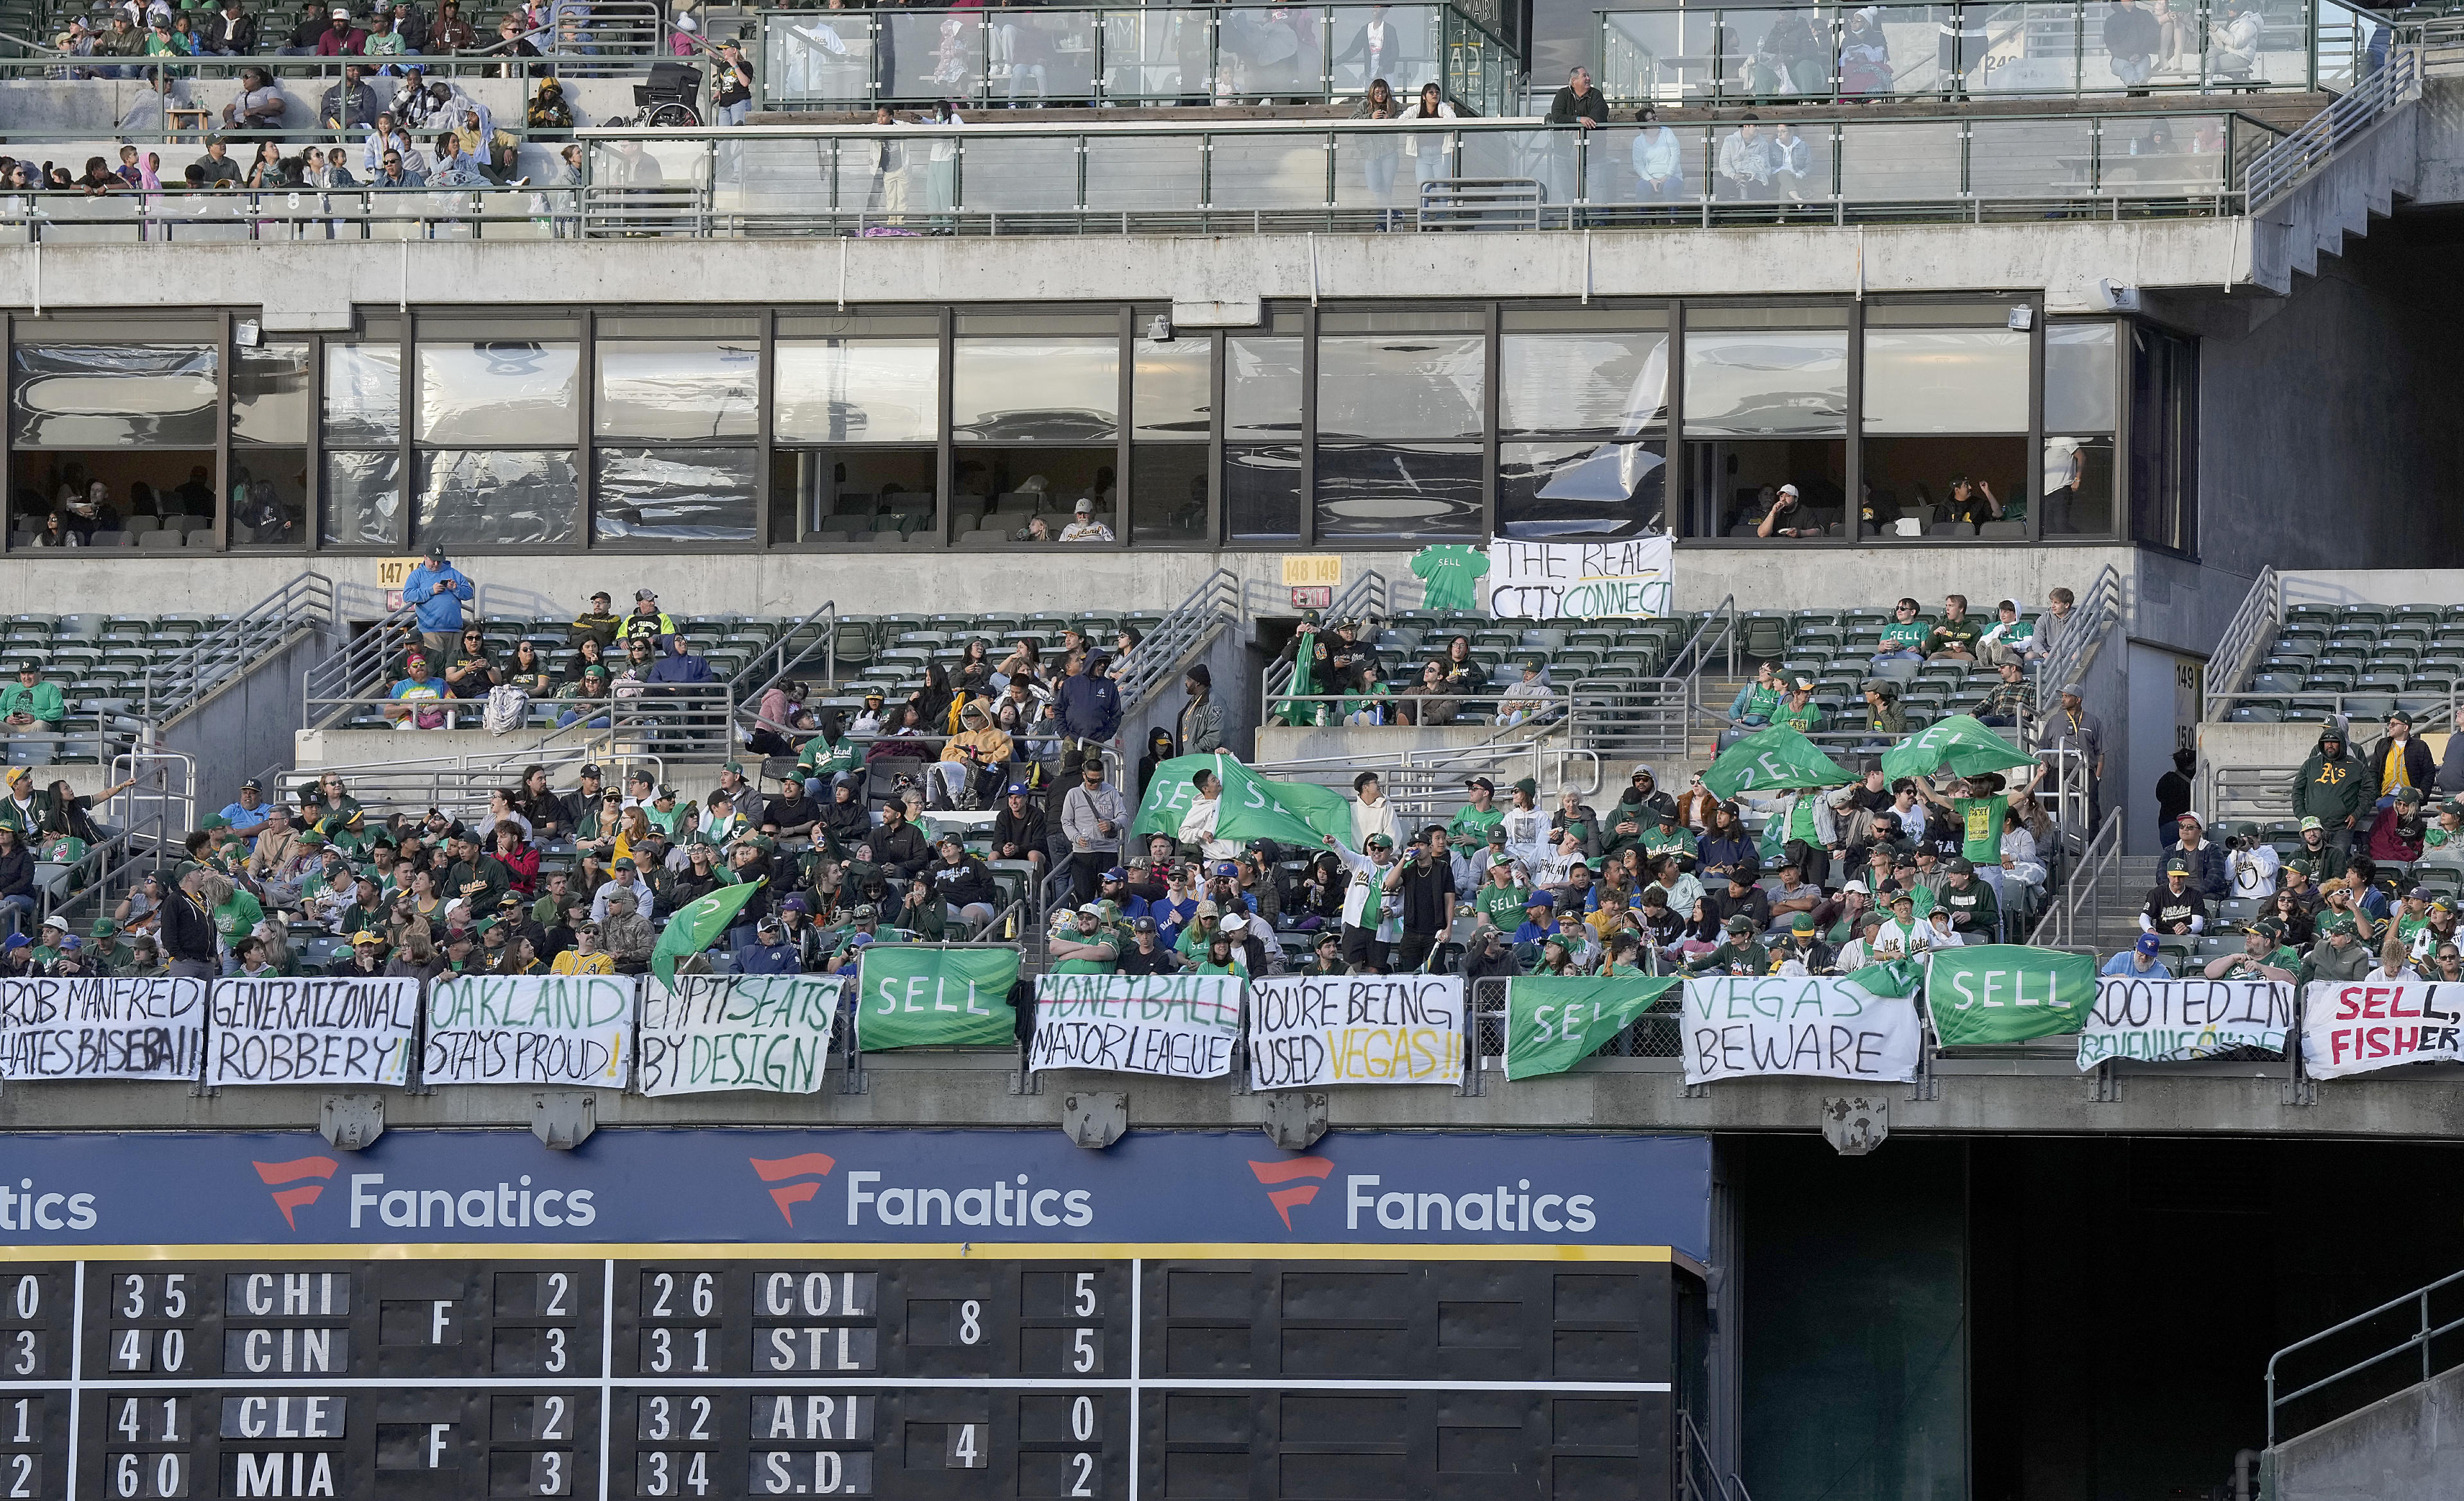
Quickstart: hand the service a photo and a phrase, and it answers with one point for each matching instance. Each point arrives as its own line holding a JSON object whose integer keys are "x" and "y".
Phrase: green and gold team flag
{"x": 1554, "y": 1024}
{"x": 1962, "y": 742}
{"x": 1774, "y": 761}
{"x": 910, "y": 995}
{"x": 2008, "y": 993}
{"x": 695, "y": 926}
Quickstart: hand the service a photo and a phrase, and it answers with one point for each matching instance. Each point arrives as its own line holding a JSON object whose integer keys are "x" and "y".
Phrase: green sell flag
{"x": 1774, "y": 761}
{"x": 1552, "y": 1025}
{"x": 1899, "y": 977}
{"x": 1962, "y": 742}
{"x": 695, "y": 926}
{"x": 1168, "y": 794}
{"x": 910, "y": 996}
{"x": 1304, "y": 683}
{"x": 1287, "y": 812}
{"x": 2008, "y": 993}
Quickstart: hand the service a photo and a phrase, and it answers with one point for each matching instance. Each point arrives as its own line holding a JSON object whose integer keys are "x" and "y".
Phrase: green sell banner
{"x": 1552, "y": 1025}
{"x": 2008, "y": 993}
{"x": 1774, "y": 761}
{"x": 911, "y": 996}
{"x": 1167, "y": 796}
{"x": 1961, "y": 743}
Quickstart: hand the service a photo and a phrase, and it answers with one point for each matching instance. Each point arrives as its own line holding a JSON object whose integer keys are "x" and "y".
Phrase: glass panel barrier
{"x": 1270, "y": 56}
{"x": 1266, "y": 171}
{"x": 820, "y": 59}
{"x": 931, "y": 55}
{"x": 1912, "y": 163}
{"x": 1157, "y": 173}
{"x": 2030, "y": 49}
{"x": 1159, "y": 56}
{"x": 1397, "y": 43}
{"x": 2157, "y": 156}
{"x": 1658, "y": 56}
{"x": 2032, "y": 158}
{"x": 1040, "y": 56}
{"x": 1005, "y": 173}
{"x": 1782, "y": 55}
{"x": 1370, "y": 170}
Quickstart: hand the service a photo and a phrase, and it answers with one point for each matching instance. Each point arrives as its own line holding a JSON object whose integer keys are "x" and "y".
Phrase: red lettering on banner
{"x": 2346, "y": 1009}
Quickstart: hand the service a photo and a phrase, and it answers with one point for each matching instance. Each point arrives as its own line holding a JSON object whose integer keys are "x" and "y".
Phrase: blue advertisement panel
{"x": 989, "y": 1189}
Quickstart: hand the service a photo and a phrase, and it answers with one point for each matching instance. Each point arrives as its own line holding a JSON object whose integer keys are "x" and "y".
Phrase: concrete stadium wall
{"x": 2406, "y": 1447}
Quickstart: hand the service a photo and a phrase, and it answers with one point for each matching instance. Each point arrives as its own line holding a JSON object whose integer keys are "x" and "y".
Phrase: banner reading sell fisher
{"x": 2363, "y": 1025}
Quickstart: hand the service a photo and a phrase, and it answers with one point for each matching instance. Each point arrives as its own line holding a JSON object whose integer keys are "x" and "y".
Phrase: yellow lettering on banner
{"x": 1387, "y": 1053}
{"x": 1312, "y": 567}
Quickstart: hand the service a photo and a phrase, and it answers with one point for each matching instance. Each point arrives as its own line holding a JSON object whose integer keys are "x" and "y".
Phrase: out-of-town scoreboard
{"x": 954, "y": 1315}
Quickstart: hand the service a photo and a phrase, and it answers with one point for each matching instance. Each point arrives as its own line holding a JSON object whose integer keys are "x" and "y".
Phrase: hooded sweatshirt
{"x": 2332, "y": 785}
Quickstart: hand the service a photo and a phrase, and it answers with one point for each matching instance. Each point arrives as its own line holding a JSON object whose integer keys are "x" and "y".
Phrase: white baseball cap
{"x": 1787, "y": 490}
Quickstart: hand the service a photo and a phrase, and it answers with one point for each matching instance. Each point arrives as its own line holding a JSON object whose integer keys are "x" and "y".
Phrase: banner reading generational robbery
{"x": 766, "y": 1032}
{"x": 1356, "y": 1029}
{"x": 1180, "y": 1026}
{"x": 312, "y": 1031}
{"x": 2358, "y": 1027}
{"x": 127, "y": 1027}
{"x": 2008, "y": 993}
{"x": 2176, "y": 1020}
{"x": 911, "y": 996}
{"x": 529, "y": 1029}
{"x": 1743, "y": 1028}
{"x": 1552, "y": 1025}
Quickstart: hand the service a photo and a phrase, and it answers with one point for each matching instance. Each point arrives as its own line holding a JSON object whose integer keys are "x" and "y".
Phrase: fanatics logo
{"x": 780, "y": 1169}
{"x": 1286, "y": 1200}
{"x": 287, "y": 1200}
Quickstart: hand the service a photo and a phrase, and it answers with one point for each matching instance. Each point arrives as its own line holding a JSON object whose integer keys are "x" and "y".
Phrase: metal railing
{"x": 359, "y": 669}
{"x": 460, "y": 782}
{"x": 2423, "y": 1334}
{"x": 1182, "y": 634}
{"x": 781, "y": 662}
{"x": 1698, "y": 1469}
{"x": 2244, "y": 640}
{"x": 1777, "y": 53}
{"x": 638, "y": 720}
{"x": 2077, "y": 915}
{"x": 167, "y": 75}
{"x": 1148, "y": 54}
{"x": 1364, "y": 598}
{"x": 2277, "y": 170}
{"x": 2093, "y": 616}
{"x": 225, "y": 653}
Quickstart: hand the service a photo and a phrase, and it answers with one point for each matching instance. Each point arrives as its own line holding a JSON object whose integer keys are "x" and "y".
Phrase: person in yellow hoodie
{"x": 978, "y": 745}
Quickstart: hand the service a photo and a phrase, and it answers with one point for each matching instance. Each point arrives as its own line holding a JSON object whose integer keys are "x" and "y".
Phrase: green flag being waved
{"x": 1961, "y": 743}
{"x": 912, "y": 996}
{"x": 695, "y": 926}
{"x": 1303, "y": 682}
{"x": 1168, "y": 794}
{"x": 1552, "y": 1025}
{"x": 1253, "y": 806}
{"x": 1894, "y": 978}
{"x": 1774, "y": 761}
{"x": 2008, "y": 993}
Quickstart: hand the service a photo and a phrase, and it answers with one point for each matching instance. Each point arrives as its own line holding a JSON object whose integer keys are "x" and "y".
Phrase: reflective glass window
{"x": 497, "y": 496}
{"x": 1261, "y": 387}
{"x": 1766, "y": 381}
{"x": 99, "y": 396}
{"x": 1401, "y": 385}
{"x": 1611, "y": 382}
{"x": 674, "y": 495}
{"x": 1035, "y": 391}
{"x": 1398, "y": 490}
{"x": 271, "y": 394}
{"x": 1946, "y": 380}
{"x": 363, "y": 394}
{"x": 362, "y": 501}
{"x": 514, "y": 391}
{"x": 1580, "y": 489}
{"x": 2078, "y": 377}
{"x": 1172, "y": 388}
{"x": 857, "y": 391}
{"x": 674, "y": 390}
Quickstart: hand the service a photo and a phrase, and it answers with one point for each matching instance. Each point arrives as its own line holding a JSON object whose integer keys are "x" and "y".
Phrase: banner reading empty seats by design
{"x": 766, "y": 1032}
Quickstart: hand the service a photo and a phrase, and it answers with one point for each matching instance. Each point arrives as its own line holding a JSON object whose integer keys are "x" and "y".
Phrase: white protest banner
{"x": 1581, "y": 580}
{"x": 1356, "y": 1029}
{"x": 1181, "y": 1026}
{"x": 312, "y": 1031}
{"x": 2360, "y": 1025}
{"x": 2177, "y": 1021}
{"x": 1741, "y": 1027}
{"x": 767, "y": 1032}
{"x": 103, "y": 1027}
{"x": 529, "y": 1029}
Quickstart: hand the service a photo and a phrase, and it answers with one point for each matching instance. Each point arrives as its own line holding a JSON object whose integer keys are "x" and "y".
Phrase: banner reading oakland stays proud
{"x": 911, "y": 996}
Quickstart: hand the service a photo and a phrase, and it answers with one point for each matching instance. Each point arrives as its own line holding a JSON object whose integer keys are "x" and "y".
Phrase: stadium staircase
{"x": 2327, "y": 180}
{"x": 2407, "y": 1442}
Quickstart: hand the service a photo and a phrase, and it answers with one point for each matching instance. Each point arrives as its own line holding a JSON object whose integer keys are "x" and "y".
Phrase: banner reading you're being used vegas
{"x": 1356, "y": 1029}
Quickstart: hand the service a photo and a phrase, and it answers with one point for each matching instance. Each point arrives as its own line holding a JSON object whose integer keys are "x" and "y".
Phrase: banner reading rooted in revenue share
{"x": 1181, "y": 1026}
{"x": 2359, "y": 1025}
{"x": 910, "y": 996}
{"x": 529, "y": 1029}
{"x": 766, "y": 1032}
{"x": 312, "y": 1031}
{"x": 2177, "y": 1021}
{"x": 1740, "y": 1028}
{"x": 102, "y": 1028}
{"x": 1552, "y": 1025}
{"x": 2008, "y": 993}
{"x": 1356, "y": 1029}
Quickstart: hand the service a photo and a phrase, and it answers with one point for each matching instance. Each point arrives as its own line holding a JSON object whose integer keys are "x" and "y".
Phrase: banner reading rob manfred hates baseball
{"x": 1356, "y": 1029}
{"x": 2360, "y": 1025}
{"x": 1179, "y": 1027}
{"x": 100, "y": 1027}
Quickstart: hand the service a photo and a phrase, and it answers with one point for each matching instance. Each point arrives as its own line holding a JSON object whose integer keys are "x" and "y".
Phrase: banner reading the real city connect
{"x": 909, "y": 995}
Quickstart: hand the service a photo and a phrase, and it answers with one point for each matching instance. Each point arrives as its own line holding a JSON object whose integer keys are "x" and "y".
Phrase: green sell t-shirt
{"x": 1904, "y": 635}
{"x": 1449, "y": 574}
{"x": 1981, "y": 818}
{"x": 1502, "y": 904}
{"x": 1471, "y": 824}
{"x": 1804, "y": 720}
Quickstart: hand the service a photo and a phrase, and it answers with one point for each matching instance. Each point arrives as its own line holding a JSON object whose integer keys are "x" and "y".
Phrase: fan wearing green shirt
{"x": 1085, "y": 948}
{"x": 828, "y": 757}
{"x": 2009, "y": 637}
{"x": 1758, "y": 700}
{"x": 1798, "y": 712}
{"x": 1903, "y": 638}
{"x": 31, "y": 702}
{"x": 1955, "y": 635}
{"x": 1669, "y": 837}
{"x": 1500, "y": 899}
{"x": 1472, "y": 824}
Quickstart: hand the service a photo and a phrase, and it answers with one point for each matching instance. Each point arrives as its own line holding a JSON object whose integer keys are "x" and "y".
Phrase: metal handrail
{"x": 2244, "y": 639}
{"x": 1694, "y": 1447}
{"x": 351, "y": 673}
{"x": 1182, "y": 633}
{"x": 2092, "y": 620}
{"x": 1363, "y": 598}
{"x": 305, "y": 602}
{"x": 2422, "y": 1336}
{"x": 681, "y": 720}
{"x": 2099, "y": 864}
{"x": 2277, "y": 170}
{"x": 827, "y": 613}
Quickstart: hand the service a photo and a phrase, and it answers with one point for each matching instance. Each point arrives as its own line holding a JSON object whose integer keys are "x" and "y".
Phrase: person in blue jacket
{"x": 438, "y": 590}
{"x": 1090, "y": 702}
{"x": 769, "y": 953}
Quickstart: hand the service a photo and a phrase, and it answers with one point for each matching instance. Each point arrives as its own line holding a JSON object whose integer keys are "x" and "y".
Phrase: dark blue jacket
{"x": 680, "y": 668}
{"x": 756, "y": 959}
{"x": 1091, "y": 707}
